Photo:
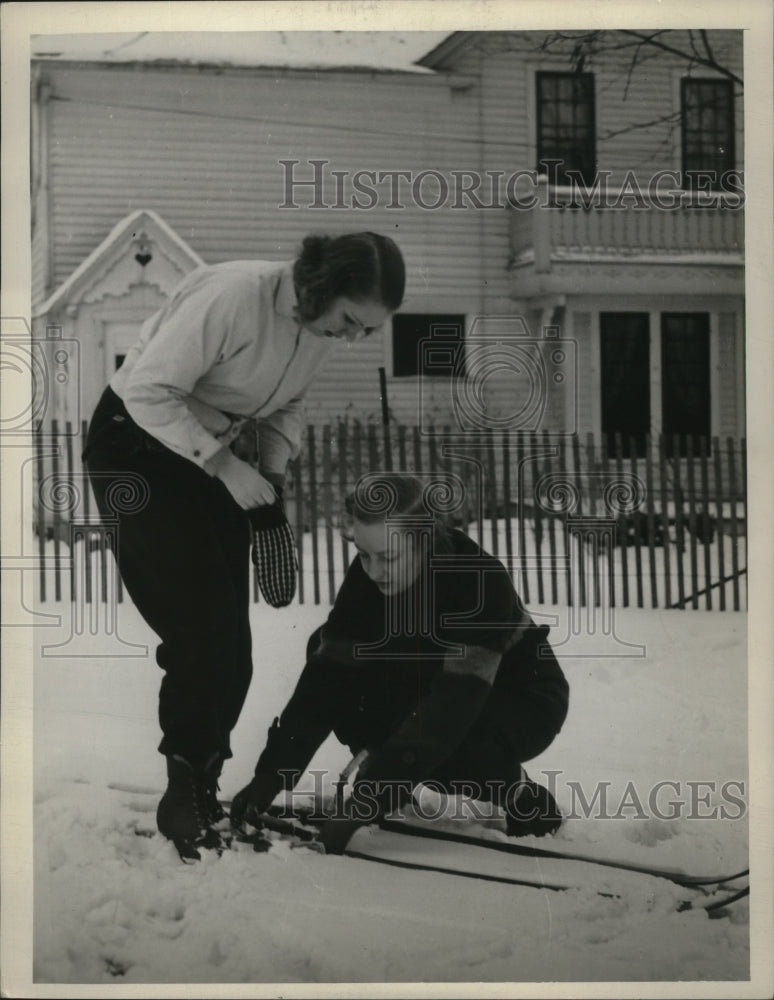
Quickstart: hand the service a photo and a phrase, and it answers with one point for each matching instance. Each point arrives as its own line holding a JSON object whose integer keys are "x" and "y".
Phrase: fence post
{"x": 562, "y": 443}
{"x": 662, "y": 463}
{"x": 692, "y": 520}
{"x": 651, "y": 521}
{"x": 40, "y": 520}
{"x": 636, "y": 522}
{"x": 385, "y": 420}
{"x": 327, "y": 486}
{"x": 313, "y": 512}
{"x": 70, "y": 478}
{"x": 373, "y": 449}
{"x": 734, "y": 524}
{"x": 591, "y": 472}
{"x": 402, "y": 447}
{"x": 492, "y": 470}
{"x": 537, "y": 521}
{"x": 707, "y": 530}
{"x": 718, "y": 470}
{"x": 578, "y": 539}
{"x": 743, "y": 470}
{"x": 679, "y": 525}
{"x": 606, "y": 452}
{"x": 522, "y": 514}
{"x": 56, "y": 518}
{"x": 417, "y": 441}
{"x": 623, "y": 535}
{"x": 300, "y": 509}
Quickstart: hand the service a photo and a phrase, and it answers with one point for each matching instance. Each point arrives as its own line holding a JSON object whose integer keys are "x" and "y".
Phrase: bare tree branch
{"x": 630, "y": 73}
{"x": 709, "y": 62}
{"x": 586, "y": 45}
{"x": 673, "y": 118}
{"x": 692, "y": 40}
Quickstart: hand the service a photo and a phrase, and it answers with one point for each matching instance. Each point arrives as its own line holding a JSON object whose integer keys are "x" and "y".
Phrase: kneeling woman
{"x": 429, "y": 662}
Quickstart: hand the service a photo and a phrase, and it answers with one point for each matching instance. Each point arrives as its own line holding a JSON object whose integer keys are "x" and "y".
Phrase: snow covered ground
{"x": 115, "y": 908}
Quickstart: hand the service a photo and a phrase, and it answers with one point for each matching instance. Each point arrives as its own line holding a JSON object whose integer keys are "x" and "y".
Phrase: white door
{"x": 119, "y": 337}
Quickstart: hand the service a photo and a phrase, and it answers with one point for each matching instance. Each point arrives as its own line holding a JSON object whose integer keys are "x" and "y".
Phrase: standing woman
{"x": 235, "y": 341}
{"x": 431, "y": 664}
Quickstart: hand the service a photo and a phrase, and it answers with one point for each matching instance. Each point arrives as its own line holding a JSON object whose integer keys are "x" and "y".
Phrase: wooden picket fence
{"x": 577, "y": 521}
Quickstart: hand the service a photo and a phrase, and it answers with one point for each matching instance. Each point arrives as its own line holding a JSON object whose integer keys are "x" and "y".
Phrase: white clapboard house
{"x": 145, "y": 167}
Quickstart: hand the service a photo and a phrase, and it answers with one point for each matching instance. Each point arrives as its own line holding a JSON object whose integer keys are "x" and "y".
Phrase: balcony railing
{"x": 563, "y": 226}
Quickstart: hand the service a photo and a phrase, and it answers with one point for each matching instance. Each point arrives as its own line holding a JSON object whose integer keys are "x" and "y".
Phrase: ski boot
{"x": 211, "y": 775}
{"x": 532, "y": 811}
{"x": 184, "y": 814}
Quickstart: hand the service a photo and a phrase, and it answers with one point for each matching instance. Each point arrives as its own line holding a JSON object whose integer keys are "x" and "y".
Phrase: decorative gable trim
{"x": 140, "y": 250}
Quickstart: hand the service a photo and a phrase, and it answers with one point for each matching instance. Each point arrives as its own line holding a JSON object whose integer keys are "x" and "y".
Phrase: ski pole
{"x": 344, "y": 777}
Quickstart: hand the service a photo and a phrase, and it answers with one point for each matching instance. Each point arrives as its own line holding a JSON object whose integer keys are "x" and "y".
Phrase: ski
{"x": 714, "y": 904}
{"x": 301, "y": 826}
{"x": 525, "y": 850}
{"x": 715, "y": 907}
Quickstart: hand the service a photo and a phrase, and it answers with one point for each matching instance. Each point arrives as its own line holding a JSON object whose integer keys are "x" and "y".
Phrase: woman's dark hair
{"x": 357, "y": 265}
{"x": 381, "y": 495}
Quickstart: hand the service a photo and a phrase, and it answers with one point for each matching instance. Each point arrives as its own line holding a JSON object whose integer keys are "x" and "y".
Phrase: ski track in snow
{"x": 112, "y": 906}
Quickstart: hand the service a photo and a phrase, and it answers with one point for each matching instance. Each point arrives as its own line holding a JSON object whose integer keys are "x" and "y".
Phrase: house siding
{"x": 586, "y": 374}
{"x": 202, "y": 148}
{"x": 208, "y": 162}
{"x": 203, "y": 151}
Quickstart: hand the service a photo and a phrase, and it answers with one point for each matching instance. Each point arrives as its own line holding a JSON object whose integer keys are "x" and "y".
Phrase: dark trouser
{"x": 184, "y": 559}
{"x": 519, "y": 722}
{"x": 487, "y": 764}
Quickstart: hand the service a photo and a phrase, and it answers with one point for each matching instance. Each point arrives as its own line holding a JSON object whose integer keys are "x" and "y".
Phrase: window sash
{"x": 707, "y": 107}
{"x": 566, "y": 125}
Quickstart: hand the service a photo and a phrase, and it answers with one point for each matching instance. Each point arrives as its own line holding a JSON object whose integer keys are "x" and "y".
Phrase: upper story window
{"x": 708, "y": 130}
{"x": 565, "y": 126}
{"x": 428, "y": 344}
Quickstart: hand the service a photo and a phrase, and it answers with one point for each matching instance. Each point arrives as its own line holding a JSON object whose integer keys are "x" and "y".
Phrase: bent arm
{"x": 279, "y": 438}
{"x": 323, "y": 692}
{"x": 190, "y": 337}
{"x": 437, "y": 726}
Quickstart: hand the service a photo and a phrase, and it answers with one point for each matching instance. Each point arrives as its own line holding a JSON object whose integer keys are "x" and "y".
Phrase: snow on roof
{"x": 385, "y": 51}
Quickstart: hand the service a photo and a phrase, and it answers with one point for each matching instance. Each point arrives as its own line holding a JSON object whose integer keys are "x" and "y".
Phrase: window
{"x": 708, "y": 129}
{"x": 565, "y": 126}
{"x": 684, "y": 381}
{"x": 428, "y": 344}
{"x": 625, "y": 345}
{"x": 685, "y": 394}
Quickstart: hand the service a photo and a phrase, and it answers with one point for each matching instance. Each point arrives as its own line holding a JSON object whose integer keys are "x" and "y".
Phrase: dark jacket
{"x": 362, "y": 683}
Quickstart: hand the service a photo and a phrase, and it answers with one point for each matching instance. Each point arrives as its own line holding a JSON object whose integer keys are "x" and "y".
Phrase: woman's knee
{"x": 314, "y": 642}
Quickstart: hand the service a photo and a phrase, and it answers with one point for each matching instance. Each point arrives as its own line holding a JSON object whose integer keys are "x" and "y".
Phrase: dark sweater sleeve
{"x": 324, "y": 691}
{"x": 436, "y": 727}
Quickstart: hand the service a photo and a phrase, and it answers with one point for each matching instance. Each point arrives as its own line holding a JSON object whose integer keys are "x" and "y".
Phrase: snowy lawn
{"x": 114, "y": 907}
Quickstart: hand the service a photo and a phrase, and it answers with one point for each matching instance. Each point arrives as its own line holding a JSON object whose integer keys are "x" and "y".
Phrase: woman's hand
{"x": 245, "y": 484}
{"x": 253, "y": 800}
